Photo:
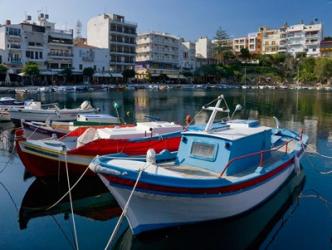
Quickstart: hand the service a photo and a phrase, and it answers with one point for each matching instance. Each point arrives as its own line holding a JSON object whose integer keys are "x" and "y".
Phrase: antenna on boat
{"x": 238, "y": 107}
{"x": 215, "y": 110}
{"x": 276, "y": 121}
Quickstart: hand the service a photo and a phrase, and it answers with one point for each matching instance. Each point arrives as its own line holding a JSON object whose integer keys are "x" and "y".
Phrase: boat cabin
{"x": 214, "y": 149}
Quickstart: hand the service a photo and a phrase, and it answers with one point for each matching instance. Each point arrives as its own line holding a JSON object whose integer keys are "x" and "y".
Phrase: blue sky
{"x": 186, "y": 18}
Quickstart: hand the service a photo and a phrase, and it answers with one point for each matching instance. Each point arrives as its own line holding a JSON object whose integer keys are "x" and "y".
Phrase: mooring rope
{"x": 71, "y": 202}
{"x": 124, "y": 211}
{"x": 63, "y": 232}
{"x": 9, "y": 194}
{"x": 71, "y": 189}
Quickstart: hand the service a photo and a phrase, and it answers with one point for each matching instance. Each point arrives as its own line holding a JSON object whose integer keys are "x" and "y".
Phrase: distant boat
{"x": 7, "y": 102}
{"x": 33, "y": 111}
{"x": 219, "y": 172}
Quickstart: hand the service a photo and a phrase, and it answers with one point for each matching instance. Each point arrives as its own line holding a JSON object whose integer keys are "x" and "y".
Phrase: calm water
{"x": 298, "y": 217}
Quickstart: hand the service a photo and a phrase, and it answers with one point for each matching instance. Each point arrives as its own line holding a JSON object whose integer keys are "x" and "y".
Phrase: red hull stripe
{"x": 214, "y": 190}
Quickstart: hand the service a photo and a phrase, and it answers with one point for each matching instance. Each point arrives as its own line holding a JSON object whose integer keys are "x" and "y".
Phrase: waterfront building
{"x": 270, "y": 40}
{"x": 204, "y": 48}
{"x": 187, "y": 56}
{"x": 240, "y": 43}
{"x": 11, "y": 44}
{"x": 303, "y": 38}
{"x": 2, "y": 53}
{"x": 59, "y": 44}
{"x": 326, "y": 47}
{"x": 36, "y": 42}
{"x": 157, "y": 53}
{"x": 254, "y": 42}
{"x": 87, "y": 56}
{"x": 113, "y": 32}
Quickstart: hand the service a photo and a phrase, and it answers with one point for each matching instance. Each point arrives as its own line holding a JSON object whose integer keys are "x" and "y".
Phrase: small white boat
{"x": 33, "y": 111}
{"x": 219, "y": 172}
{"x": 96, "y": 119}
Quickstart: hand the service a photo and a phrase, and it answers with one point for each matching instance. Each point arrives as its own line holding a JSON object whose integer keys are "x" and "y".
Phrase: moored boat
{"x": 48, "y": 157}
{"x": 33, "y": 111}
{"x": 42, "y": 130}
{"x": 219, "y": 172}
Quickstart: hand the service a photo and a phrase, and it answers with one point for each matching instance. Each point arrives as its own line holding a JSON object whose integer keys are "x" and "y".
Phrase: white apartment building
{"x": 240, "y": 43}
{"x": 113, "y": 32}
{"x": 187, "y": 56}
{"x": 204, "y": 48}
{"x": 303, "y": 38}
{"x": 85, "y": 56}
{"x": 11, "y": 45}
{"x": 157, "y": 53}
{"x": 36, "y": 42}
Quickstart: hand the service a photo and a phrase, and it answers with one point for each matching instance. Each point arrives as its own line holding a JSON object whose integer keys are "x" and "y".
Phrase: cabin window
{"x": 203, "y": 150}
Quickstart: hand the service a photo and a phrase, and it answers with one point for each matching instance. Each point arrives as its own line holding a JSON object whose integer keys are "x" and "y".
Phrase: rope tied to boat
{"x": 125, "y": 208}
{"x": 70, "y": 199}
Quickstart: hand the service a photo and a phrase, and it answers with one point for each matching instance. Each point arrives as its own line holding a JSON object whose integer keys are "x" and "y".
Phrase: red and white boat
{"x": 48, "y": 157}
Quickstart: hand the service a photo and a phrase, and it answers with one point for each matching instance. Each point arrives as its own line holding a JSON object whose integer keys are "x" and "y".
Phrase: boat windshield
{"x": 203, "y": 150}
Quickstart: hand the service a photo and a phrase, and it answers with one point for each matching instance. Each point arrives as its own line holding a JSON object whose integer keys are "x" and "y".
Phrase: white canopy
{"x": 117, "y": 75}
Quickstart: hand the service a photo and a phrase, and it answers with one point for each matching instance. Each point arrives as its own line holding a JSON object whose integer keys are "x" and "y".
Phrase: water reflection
{"x": 246, "y": 231}
{"x": 91, "y": 199}
{"x": 311, "y": 111}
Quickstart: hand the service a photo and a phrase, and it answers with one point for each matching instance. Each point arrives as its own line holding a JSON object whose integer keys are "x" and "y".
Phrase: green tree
{"x": 306, "y": 69}
{"x": 245, "y": 54}
{"x": 88, "y": 72}
{"x": 128, "y": 73}
{"x": 323, "y": 69}
{"x": 3, "y": 69}
{"x": 222, "y": 45}
{"x": 162, "y": 77}
{"x": 67, "y": 73}
{"x": 31, "y": 70}
{"x": 148, "y": 77}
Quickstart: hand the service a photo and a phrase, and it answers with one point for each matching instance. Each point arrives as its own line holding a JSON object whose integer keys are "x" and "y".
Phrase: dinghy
{"x": 49, "y": 157}
{"x": 219, "y": 172}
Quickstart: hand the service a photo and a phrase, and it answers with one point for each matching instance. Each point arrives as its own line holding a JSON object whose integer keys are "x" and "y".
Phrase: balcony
{"x": 66, "y": 55}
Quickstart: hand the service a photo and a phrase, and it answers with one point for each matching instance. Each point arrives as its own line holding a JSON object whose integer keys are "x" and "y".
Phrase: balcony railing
{"x": 60, "y": 54}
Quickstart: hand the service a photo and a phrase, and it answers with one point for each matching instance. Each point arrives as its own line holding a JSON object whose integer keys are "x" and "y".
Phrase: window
{"x": 81, "y": 66}
{"x": 41, "y": 55}
{"x": 203, "y": 150}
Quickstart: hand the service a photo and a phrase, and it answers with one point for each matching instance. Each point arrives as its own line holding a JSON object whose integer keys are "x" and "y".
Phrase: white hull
{"x": 149, "y": 211}
{"x": 52, "y": 115}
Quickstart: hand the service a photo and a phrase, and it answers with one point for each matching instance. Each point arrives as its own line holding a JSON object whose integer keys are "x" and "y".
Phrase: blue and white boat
{"x": 219, "y": 172}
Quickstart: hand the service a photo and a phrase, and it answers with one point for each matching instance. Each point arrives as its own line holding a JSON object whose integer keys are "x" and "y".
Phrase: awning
{"x": 176, "y": 76}
{"x": 101, "y": 74}
{"x": 119, "y": 75}
{"x": 21, "y": 74}
{"x": 48, "y": 73}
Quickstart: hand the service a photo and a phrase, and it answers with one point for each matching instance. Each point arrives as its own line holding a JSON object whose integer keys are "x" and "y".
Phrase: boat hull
{"x": 41, "y": 116}
{"x": 42, "y": 162}
{"x": 156, "y": 210}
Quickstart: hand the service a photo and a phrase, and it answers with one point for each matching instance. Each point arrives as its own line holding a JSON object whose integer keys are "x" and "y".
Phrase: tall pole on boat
{"x": 214, "y": 113}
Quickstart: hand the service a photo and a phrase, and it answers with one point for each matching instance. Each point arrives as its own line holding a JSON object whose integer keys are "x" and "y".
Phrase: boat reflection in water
{"x": 247, "y": 231}
{"x": 91, "y": 199}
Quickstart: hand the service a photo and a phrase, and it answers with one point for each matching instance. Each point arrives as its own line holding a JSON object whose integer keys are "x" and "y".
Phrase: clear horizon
{"x": 189, "y": 19}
